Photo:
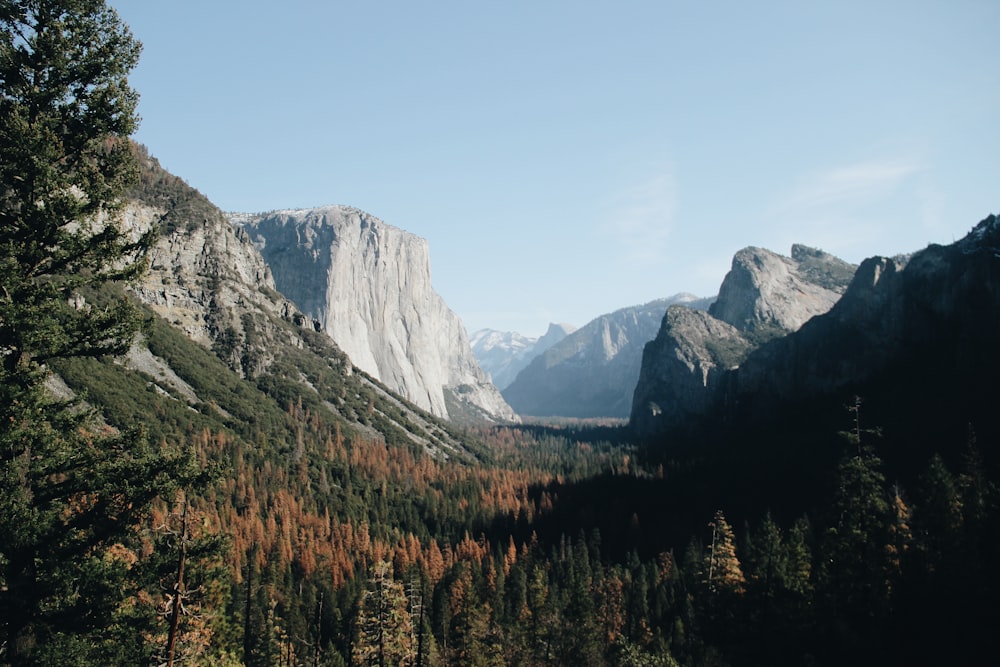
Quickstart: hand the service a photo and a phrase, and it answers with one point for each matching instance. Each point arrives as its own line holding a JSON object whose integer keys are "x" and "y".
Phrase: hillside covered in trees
{"x": 315, "y": 543}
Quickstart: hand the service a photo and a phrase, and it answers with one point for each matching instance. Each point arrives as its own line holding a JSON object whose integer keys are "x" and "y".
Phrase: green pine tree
{"x": 858, "y": 567}
{"x": 767, "y": 561}
{"x": 939, "y": 521}
{"x": 384, "y": 623}
{"x": 72, "y": 492}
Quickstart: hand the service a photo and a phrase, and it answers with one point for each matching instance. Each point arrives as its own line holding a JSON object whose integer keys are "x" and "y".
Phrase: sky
{"x": 565, "y": 159}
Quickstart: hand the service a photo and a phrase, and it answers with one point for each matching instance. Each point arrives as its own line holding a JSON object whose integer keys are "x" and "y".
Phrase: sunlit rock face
{"x": 206, "y": 278}
{"x": 764, "y": 290}
{"x": 934, "y": 313}
{"x": 368, "y": 284}
{"x": 682, "y": 367}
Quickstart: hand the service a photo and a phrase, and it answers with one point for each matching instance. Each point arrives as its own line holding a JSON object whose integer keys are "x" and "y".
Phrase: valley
{"x": 264, "y": 439}
{"x": 574, "y": 542}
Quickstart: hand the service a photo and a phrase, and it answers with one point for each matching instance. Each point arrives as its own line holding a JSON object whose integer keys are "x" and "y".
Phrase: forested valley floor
{"x": 568, "y": 545}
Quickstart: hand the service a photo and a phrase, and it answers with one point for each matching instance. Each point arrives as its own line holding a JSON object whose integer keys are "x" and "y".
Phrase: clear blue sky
{"x": 565, "y": 159}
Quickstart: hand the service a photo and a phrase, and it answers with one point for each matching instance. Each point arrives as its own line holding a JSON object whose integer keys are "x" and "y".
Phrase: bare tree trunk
{"x": 249, "y": 600}
{"x": 178, "y": 592}
{"x": 319, "y": 628}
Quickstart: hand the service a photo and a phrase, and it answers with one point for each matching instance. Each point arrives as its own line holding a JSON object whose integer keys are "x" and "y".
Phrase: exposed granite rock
{"x": 552, "y": 336}
{"x": 933, "y": 316}
{"x": 941, "y": 302}
{"x": 765, "y": 291}
{"x": 208, "y": 279}
{"x": 764, "y": 296}
{"x": 368, "y": 284}
{"x": 139, "y": 358}
{"x": 847, "y": 343}
{"x": 682, "y": 365}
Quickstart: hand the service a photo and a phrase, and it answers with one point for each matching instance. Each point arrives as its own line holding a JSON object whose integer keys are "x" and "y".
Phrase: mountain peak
{"x": 935, "y": 310}
{"x": 986, "y": 234}
{"x": 504, "y": 354}
{"x": 767, "y": 291}
{"x": 555, "y": 333}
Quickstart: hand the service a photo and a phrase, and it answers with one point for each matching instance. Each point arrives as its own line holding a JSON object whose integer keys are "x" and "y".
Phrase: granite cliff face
{"x": 765, "y": 291}
{"x": 692, "y": 351}
{"x": 764, "y": 296}
{"x": 208, "y": 280}
{"x": 368, "y": 284}
{"x": 914, "y": 333}
{"x": 593, "y": 371}
{"x": 504, "y": 354}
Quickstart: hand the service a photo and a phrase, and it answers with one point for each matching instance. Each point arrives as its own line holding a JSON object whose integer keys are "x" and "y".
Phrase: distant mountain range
{"x": 503, "y": 354}
{"x": 593, "y": 371}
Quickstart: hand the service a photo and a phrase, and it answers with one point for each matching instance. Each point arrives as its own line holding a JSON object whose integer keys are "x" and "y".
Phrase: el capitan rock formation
{"x": 368, "y": 284}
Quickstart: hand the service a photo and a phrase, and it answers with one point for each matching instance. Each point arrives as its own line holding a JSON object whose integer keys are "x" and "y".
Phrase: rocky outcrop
{"x": 686, "y": 359}
{"x": 368, "y": 284}
{"x": 936, "y": 312}
{"x": 593, "y": 371}
{"x": 767, "y": 292}
{"x": 205, "y": 276}
{"x": 504, "y": 354}
{"x": 764, "y": 296}
{"x": 552, "y": 336}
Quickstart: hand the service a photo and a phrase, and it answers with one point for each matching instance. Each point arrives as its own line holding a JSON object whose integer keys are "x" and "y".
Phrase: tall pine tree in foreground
{"x": 71, "y": 491}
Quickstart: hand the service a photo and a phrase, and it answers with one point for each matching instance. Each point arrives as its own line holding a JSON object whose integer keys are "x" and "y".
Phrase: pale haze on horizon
{"x": 566, "y": 159}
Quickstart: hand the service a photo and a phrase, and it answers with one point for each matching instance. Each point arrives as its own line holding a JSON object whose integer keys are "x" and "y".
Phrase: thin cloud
{"x": 852, "y": 210}
{"x": 848, "y": 185}
{"x": 641, "y": 219}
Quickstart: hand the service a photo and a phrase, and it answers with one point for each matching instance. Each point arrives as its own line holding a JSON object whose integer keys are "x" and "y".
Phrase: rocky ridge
{"x": 206, "y": 278}
{"x": 765, "y": 291}
{"x": 764, "y": 296}
{"x": 593, "y": 371}
{"x": 208, "y": 282}
{"x": 933, "y": 315}
{"x": 368, "y": 285}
